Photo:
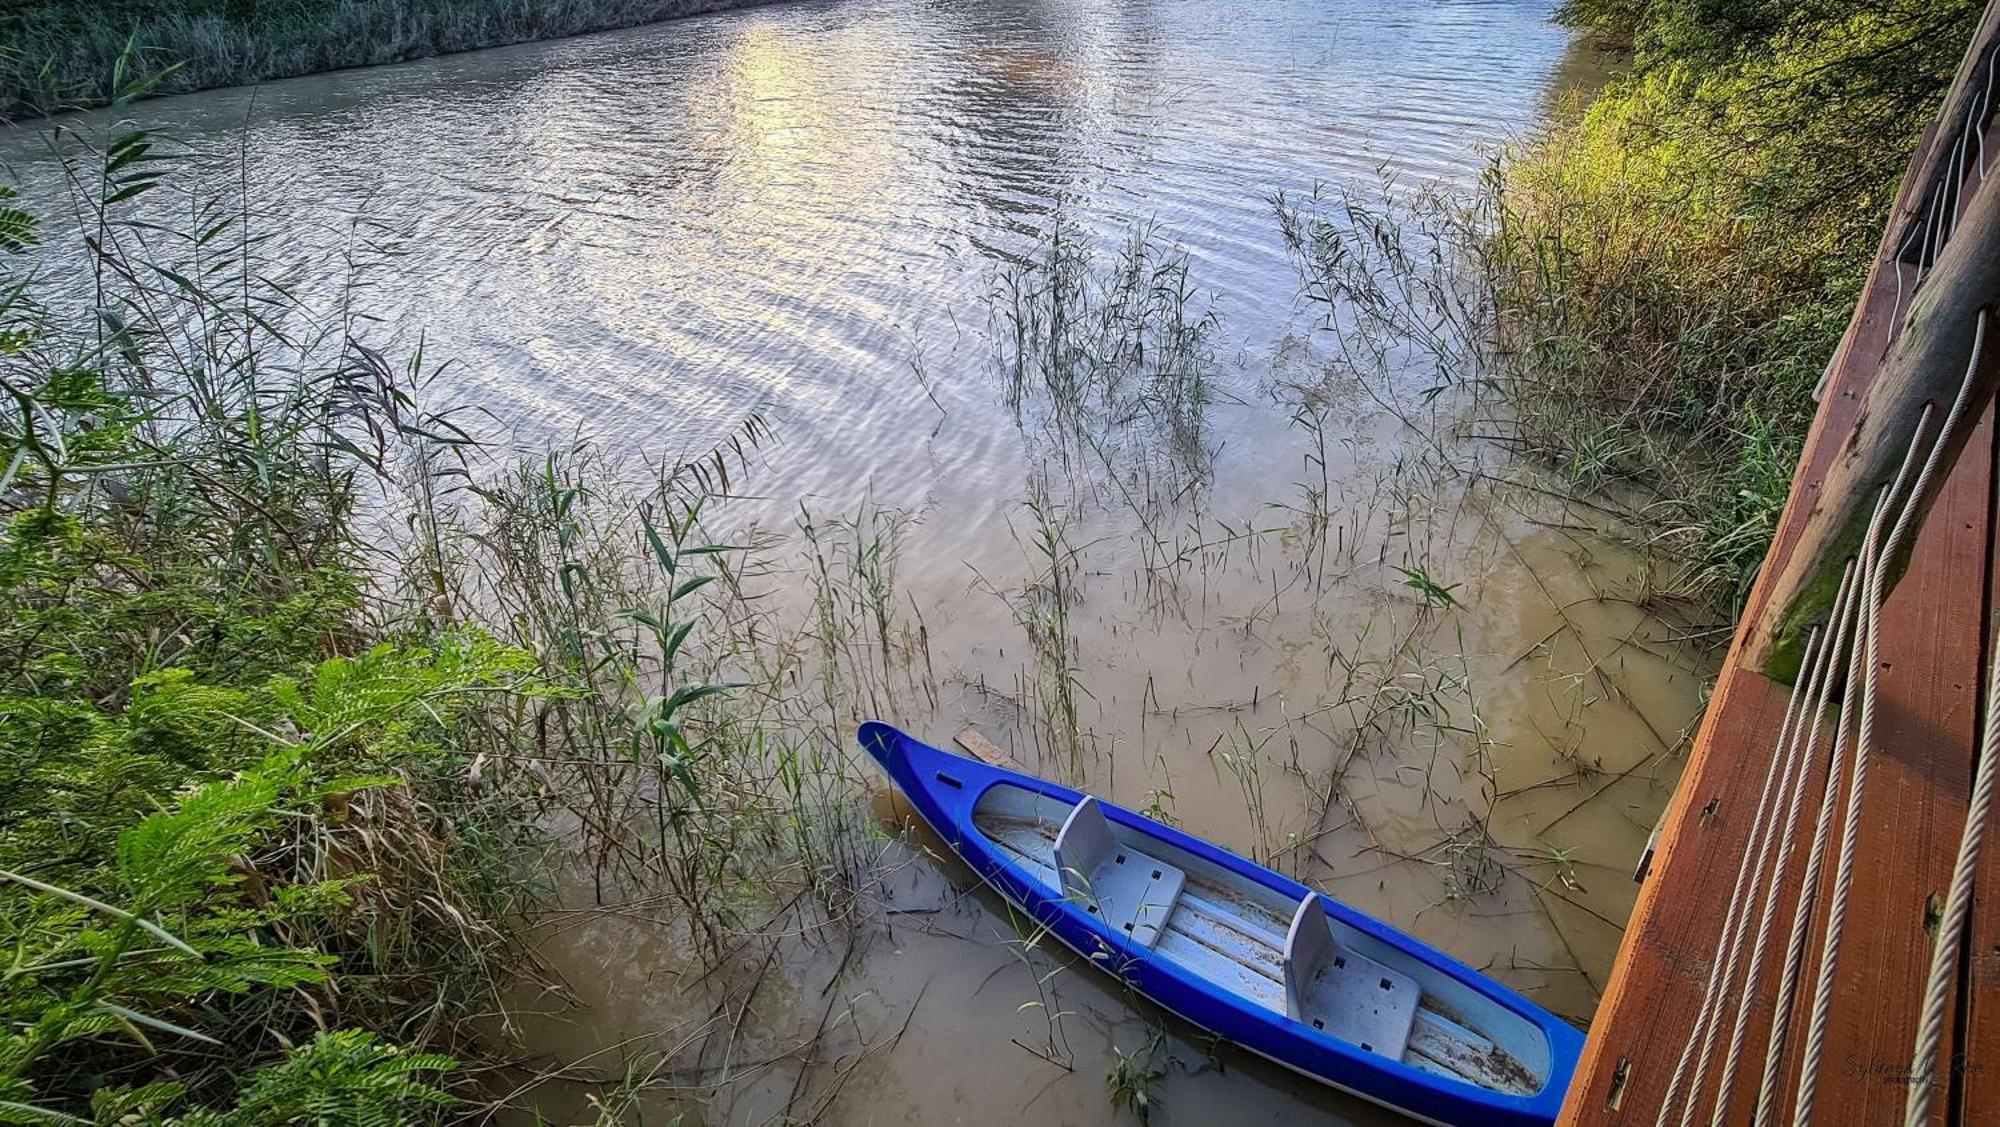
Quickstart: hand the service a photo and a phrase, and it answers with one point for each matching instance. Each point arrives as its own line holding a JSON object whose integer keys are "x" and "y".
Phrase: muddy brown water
{"x": 801, "y": 212}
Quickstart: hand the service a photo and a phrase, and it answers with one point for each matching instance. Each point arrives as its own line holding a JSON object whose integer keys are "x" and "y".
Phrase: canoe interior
{"x": 1231, "y": 932}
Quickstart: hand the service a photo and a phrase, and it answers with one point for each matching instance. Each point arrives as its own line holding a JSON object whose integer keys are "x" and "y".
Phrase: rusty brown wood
{"x": 1974, "y": 1064}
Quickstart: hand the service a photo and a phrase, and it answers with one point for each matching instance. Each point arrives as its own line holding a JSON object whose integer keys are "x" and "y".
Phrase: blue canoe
{"x": 1242, "y": 951}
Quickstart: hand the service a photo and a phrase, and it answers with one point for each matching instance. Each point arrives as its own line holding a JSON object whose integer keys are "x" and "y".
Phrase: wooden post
{"x": 1923, "y": 364}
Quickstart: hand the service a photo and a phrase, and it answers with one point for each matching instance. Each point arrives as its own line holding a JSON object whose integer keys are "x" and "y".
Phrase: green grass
{"x": 301, "y": 695}
{"x": 59, "y": 54}
{"x": 1673, "y": 265}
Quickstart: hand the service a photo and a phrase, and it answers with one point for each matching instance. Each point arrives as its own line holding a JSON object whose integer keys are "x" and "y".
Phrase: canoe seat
{"x": 1342, "y": 993}
{"x": 1130, "y": 890}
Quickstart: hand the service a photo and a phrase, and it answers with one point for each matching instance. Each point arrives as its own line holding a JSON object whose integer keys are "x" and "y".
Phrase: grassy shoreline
{"x": 303, "y": 690}
{"x": 64, "y": 54}
{"x": 1673, "y": 264}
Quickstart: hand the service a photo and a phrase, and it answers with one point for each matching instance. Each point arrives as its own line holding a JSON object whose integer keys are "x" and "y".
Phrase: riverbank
{"x": 1674, "y": 264}
{"x": 298, "y": 724}
{"x": 72, "y": 54}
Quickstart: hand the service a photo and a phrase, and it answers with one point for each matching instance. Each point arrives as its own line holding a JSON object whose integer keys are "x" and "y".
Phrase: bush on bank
{"x": 301, "y": 697}
{"x": 1674, "y": 264}
{"x": 242, "y": 876}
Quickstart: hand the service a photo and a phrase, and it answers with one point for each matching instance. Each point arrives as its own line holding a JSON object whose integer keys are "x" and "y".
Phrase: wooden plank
{"x": 1974, "y": 1068}
{"x": 1919, "y": 777}
{"x": 974, "y": 743}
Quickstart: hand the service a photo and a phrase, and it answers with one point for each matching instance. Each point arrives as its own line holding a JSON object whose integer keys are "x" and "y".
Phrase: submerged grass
{"x": 1104, "y": 342}
{"x": 307, "y": 701}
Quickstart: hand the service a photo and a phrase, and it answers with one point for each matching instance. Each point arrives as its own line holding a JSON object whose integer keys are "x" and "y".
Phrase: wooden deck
{"x": 1935, "y": 626}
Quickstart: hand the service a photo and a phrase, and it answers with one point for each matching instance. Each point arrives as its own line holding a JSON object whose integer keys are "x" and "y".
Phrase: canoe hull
{"x": 945, "y": 789}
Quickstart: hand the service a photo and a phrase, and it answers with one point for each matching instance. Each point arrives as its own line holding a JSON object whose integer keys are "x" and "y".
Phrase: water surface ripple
{"x": 651, "y": 234}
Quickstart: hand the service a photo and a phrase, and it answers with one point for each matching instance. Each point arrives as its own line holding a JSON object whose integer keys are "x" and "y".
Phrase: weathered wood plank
{"x": 974, "y": 743}
{"x": 1919, "y": 776}
{"x": 1974, "y": 1071}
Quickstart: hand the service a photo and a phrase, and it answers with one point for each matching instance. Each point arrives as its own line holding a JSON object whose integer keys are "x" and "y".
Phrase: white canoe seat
{"x": 1344, "y": 994}
{"x": 1131, "y": 891}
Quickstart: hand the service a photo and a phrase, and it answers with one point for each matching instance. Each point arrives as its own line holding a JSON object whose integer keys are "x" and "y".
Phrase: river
{"x": 1304, "y": 627}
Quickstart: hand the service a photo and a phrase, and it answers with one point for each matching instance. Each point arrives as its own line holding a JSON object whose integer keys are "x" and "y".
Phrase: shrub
{"x": 1674, "y": 264}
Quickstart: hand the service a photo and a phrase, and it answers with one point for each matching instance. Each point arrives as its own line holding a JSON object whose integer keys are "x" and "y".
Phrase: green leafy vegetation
{"x": 221, "y": 779}
{"x": 271, "y": 658}
{"x": 60, "y": 54}
{"x": 1434, "y": 594}
{"x": 1674, "y": 264}
{"x": 1132, "y": 1079}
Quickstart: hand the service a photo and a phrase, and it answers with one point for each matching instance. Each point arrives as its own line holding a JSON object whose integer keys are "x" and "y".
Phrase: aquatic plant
{"x": 1104, "y": 345}
{"x": 1435, "y": 594}
{"x": 1133, "y": 1078}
